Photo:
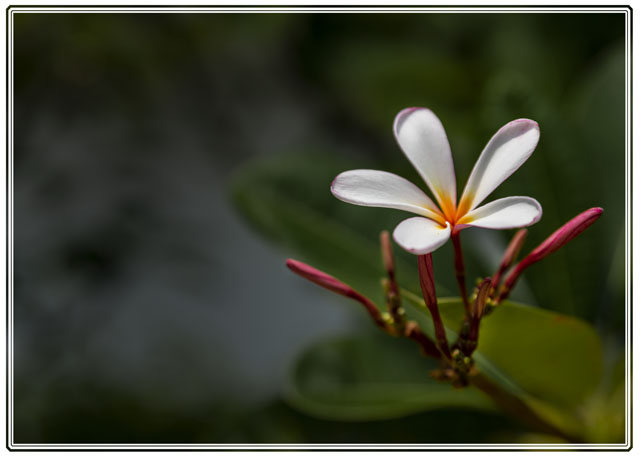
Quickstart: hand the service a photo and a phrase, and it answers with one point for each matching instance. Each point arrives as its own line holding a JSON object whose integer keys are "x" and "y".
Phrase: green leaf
{"x": 605, "y": 414}
{"x": 372, "y": 378}
{"x": 288, "y": 199}
{"x": 552, "y": 361}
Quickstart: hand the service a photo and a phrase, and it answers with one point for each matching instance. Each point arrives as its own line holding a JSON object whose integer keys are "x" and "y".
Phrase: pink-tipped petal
{"x": 507, "y": 150}
{"x": 421, "y": 236}
{"x": 383, "y": 189}
{"x": 422, "y": 138}
{"x": 504, "y": 213}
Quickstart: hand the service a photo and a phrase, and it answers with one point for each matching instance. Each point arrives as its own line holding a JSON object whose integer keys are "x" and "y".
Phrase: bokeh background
{"x": 165, "y": 166}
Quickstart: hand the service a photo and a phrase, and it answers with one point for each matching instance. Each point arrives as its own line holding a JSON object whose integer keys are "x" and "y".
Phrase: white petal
{"x": 505, "y": 213}
{"x": 421, "y": 236}
{"x": 421, "y": 136}
{"x": 509, "y": 148}
{"x": 383, "y": 189}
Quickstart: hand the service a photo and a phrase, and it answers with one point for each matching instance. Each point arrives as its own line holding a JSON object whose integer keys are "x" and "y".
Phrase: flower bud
{"x": 427, "y": 282}
{"x": 563, "y": 235}
{"x": 329, "y": 282}
{"x": 510, "y": 255}
{"x": 428, "y": 286}
{"x": 554, "y": 242}
{"x": 387, "y": 259}
{"x": 468, "y": 339}
{"x": 481, "y": 299}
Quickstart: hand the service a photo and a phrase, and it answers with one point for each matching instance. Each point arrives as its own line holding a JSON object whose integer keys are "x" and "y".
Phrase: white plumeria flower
{"x": 421, "y": 136}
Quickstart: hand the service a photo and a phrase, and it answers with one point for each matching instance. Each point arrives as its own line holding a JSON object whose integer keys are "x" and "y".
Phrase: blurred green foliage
{"x": 373, "y": 377}
{"x": 285, "y": 196}
{"x": 551, "y": 361}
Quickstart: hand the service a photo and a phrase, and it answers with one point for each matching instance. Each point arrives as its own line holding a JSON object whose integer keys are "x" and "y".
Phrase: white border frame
{"x": 7, "y": 285}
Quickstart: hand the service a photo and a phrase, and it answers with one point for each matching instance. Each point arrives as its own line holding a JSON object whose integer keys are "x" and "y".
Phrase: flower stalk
{"x": 458, "y": 261}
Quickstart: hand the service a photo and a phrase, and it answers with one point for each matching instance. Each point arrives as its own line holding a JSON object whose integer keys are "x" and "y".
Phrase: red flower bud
{"x": 428, "y": 286}
{"x": 329, "y": 282}
{"x": 563, "y": 235}
{"x": 510, "y": 255}
{"x": 387, "y": 259}
{"x": 554, "y": 242}
{"x": 481, "y": 299}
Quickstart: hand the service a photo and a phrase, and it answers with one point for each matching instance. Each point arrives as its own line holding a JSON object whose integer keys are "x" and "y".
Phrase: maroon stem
{"x": 413, "y": 332}
{"x": 459, "y": 268}
{"x": 371, "y": 309}
{"x": 510, "y": 282}
{"x": 518, "y": 408}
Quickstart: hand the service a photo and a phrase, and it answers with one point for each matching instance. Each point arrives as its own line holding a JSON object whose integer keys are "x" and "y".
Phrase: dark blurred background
{"x": 147, "y": 309}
